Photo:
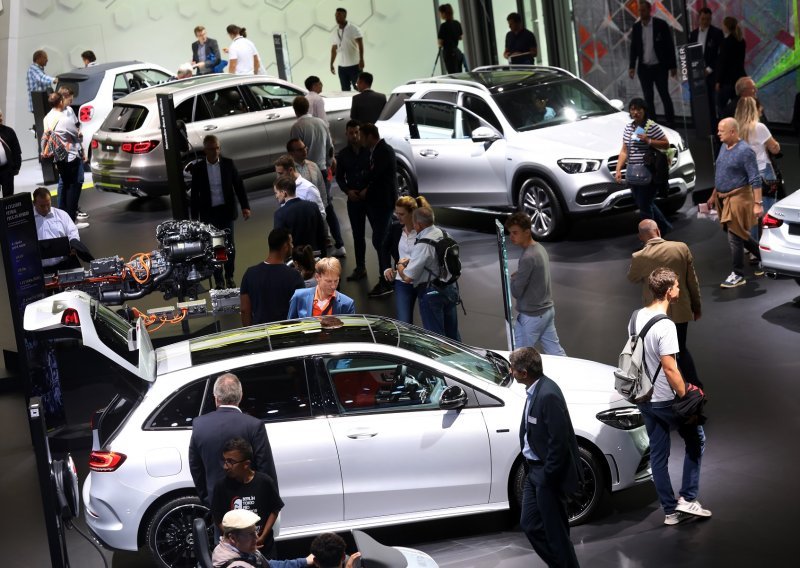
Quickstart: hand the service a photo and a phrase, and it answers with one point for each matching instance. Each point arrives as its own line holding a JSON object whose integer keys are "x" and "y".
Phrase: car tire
{"x": 169, "y": 532}
{"x": 582, "y": 504}
{"x": 406, "y": 185}
{"x": 538, "y": 200}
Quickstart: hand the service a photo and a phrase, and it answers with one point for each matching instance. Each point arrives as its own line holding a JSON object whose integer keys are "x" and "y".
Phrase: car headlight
{"x": 579, "y": 165}
{"x": 627, "y": 418}
{"x": 682, "y": 147}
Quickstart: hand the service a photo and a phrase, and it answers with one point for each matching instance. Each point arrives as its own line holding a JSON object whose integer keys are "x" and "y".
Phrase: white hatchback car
{"x": 537, "y": 139}
{"x": 372, "y": 422}
{"x": 780, "y": 241}
{"x": 98, "y": 86}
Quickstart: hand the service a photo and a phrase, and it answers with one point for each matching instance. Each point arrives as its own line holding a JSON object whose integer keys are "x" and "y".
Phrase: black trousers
{"x": 658, "y": 75}
{"x": 7, "y": 180}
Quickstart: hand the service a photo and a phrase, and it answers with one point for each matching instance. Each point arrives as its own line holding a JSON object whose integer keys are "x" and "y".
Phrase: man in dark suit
{"x": 710, "y": 37}
{"x": 367, "y": 104}
{"x": 205, "y": 52}
{"x": 10, "y": 158}
{"x": 211, "y": 431}
{"x": 653, "y": 48}
{"x": 302, "y": 218}
{"x": 551, "y": 451}
{"x": 216, "y": 186}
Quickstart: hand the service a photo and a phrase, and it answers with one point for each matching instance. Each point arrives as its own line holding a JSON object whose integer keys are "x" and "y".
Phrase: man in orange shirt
{"x": 323, "y": 299}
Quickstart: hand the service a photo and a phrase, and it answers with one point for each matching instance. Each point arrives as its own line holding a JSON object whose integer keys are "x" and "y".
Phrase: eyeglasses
{"x": 229, "y": 461}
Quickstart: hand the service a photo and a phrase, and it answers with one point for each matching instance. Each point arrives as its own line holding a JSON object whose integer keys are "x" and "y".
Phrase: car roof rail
{"x": 447, "y": 80}
{"x": 508, "y": 67}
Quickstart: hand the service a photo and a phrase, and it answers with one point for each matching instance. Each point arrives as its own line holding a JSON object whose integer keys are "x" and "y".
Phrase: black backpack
{"x": 447, "y": 254}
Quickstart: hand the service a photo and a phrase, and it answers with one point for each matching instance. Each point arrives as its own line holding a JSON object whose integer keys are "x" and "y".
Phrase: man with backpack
{"x": 431, "y": 269}
{"x": 660, "y": 342}
{"x": 530, "y": 286}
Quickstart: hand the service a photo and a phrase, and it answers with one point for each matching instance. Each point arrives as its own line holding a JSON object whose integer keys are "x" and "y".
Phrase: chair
{"x": 200, "y": 543}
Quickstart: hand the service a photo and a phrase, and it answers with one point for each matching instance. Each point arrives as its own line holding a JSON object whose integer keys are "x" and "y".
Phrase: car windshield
{"x": 550, "y": 103}
{"x": 474, "y": 363}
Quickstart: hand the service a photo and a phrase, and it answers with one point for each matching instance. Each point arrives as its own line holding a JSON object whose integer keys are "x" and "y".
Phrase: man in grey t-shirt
{"x": 530, "y": 286}
{"x": 660, "y": 349}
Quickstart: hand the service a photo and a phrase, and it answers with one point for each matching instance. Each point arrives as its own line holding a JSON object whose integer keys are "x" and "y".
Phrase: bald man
{"x": 676, "y": 256}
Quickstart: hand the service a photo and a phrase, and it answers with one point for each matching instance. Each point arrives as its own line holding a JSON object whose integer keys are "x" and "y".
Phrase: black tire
{"x": 169, "y": 532}
{"x": 582, "y": 504}
{"x": 538, "y": 200}
{"x": 406, "y": 185}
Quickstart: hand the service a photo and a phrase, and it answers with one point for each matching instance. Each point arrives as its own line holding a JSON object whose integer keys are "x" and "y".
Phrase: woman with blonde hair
{"x": 730, "y": 62}
{"x": 399, "y": 242}
{"x": 758, "y": 136}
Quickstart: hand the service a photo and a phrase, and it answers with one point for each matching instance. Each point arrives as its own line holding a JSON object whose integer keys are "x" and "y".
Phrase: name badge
{"x": 531, "y": 419}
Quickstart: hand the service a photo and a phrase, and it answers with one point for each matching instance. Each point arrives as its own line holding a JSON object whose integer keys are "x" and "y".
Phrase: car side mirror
{"x": 453, "y": 398}
{"x": 485, "y": 134}
{"x": 617, "y": 104}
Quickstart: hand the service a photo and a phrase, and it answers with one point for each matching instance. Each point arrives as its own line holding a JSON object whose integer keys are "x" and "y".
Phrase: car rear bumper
{"x": 129, "y": 186}
{"x": 778, "y": 256}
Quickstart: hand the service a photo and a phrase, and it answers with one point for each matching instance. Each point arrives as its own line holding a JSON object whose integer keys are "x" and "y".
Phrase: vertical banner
{"x": 282, "y": 56}
{"x": 173, "y": 140}
{"x": 505, "y": 282}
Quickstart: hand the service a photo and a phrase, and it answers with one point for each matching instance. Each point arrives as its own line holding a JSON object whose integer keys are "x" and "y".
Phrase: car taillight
{"x": 86, "y": 113}
{"x": 95, "y": 144}
{"x": 71, "y": 317}
{"x": 139, "y": 147}
{"x": 221, "y": 254}
{"x": 770, "y": 222}
{"x": 106, "y": 461}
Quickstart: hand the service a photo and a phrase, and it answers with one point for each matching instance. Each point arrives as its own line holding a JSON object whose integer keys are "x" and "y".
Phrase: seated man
{"x": 323, "y": 299}
{"x": 52, "y": 223}
{"x": 238, "y": 546}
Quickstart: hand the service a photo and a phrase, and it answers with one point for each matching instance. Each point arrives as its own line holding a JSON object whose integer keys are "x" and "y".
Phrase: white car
{"x": 780, "y": 240}
{"x": 97, "y": 87}
{"x": 372, "y": 422}
{"x": 536, "y": 139}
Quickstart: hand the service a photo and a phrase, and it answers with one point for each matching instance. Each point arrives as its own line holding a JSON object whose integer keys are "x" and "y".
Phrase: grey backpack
{"x": 631, "y": 378}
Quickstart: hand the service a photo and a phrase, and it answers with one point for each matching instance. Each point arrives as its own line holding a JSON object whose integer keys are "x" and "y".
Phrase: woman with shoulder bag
{"x": 759, "y": 138}
{"x": 639, "y": 140}
{"x": 67, "y": 152}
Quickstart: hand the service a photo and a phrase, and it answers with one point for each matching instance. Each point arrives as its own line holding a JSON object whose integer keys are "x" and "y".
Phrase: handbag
{"x": 53, "y": 147}
{"x": 638, "y": 174}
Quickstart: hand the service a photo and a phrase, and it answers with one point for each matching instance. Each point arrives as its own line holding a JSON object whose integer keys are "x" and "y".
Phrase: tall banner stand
{"x": 505, "y": 282}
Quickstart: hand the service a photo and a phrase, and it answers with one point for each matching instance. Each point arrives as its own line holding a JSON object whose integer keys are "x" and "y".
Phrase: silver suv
{"x": 251, "y": 116}
{"x": 534, "y": 138}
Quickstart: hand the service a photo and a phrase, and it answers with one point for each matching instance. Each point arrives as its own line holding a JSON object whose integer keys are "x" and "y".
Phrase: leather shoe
{"x": 358, "y": 274}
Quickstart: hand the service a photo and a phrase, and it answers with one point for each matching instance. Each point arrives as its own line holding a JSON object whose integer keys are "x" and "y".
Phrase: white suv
{"x": 372, "y": 422}
{"x": 534, "y": 138}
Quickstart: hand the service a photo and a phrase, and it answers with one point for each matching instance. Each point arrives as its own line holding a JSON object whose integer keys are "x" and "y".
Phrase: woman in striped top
{"x": 639, "y": 137}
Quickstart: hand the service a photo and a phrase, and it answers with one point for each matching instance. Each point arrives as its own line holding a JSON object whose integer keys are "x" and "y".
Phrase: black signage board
{"x": 171, "y": 138}
{"x": 693, "y": 72}
{"x": 505, "y": 283}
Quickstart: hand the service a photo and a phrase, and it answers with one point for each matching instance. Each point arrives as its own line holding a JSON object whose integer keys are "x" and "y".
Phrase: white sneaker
{"x": 733, "y": 280}
{"x": 340, "y": 252}
{"x": 81, "y": 225}
{"x": 675, "y": 518}
{"x": 81, "y": 215}
{"x": 691, "y": 508}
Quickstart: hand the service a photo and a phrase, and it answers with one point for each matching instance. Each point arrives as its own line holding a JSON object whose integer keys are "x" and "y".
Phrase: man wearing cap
{"x": 238, "y": 548}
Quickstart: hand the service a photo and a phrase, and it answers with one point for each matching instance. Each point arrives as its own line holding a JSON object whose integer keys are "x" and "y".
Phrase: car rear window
{"x": 114, "y": 416}
{"x": 394, "y": 104}
{"x": 125, "y": 118}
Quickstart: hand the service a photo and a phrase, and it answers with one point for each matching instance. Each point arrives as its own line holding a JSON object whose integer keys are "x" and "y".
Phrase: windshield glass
{"x": 551, "y": 103}
{"x": 454, "y": 354}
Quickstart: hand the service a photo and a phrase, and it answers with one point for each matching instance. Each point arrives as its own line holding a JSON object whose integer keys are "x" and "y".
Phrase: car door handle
{"x": 210, "y": 127}
{"x": 361, "y": 433}
{"x": 273, "y": 116}
{"x": 428, "y": 153}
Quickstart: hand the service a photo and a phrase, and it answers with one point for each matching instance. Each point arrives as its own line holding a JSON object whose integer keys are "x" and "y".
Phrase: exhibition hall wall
{"x": 770, "y": 29}
{"x": 399, "y": 38}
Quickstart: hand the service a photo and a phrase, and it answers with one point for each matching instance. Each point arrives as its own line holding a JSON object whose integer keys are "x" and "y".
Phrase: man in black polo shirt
{"x": 521, "y": 47}
{"x": 268, "y": 286}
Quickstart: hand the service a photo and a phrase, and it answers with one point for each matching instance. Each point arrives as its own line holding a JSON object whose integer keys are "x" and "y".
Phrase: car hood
{"x": 600, "y": 137}
{"x": 582, "y": 381}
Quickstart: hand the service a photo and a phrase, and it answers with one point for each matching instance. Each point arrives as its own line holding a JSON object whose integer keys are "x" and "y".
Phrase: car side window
{"x": 275, "y": 391}
{"x": 225, "y": 102}
{"x": 151, "y": 77}
{"x": 481, "y": 108}
{"x": 434, "y": 121}
{"x": 180, "y": 409}
{"x": 370, "y": 383}
{"x": 447, "y": 96}
{"x": 270, "y": 95}
{"x": 185, "y": 110}
{"x": 120, "y": 87}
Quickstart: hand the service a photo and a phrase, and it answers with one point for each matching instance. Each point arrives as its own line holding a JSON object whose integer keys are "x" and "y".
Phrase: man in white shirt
{"x": 307, "y": 191}
{"x": 52, "y": 223}
{"x": 316, "y": 104}
{"x": 348, "y": 44}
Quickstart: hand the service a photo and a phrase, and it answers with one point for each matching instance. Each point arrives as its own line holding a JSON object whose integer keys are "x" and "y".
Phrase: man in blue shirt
{"x": 737, "y": 198}
{"x": 36, "y": 78}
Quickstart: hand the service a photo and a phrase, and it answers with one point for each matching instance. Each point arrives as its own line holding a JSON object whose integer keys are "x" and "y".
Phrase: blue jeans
{"x": 530, "y": 330}
{"x": 405, "y": 295}
{"x": 348, "y": 76}
{"x": 644, "y": 196}
{"x": 766, "y": 174}
{"x": 437, "y": 308}
{"x": 660, "y": 420}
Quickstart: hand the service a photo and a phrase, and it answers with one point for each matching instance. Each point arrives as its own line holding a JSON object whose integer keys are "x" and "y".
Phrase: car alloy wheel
{"x": 405, "y": 181}
{"x": 169, "y": 534}
{"x": 539, "y": 201}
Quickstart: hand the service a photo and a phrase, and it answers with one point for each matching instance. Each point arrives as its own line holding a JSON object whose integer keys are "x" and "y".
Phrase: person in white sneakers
{"x": 660, "y": 350}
